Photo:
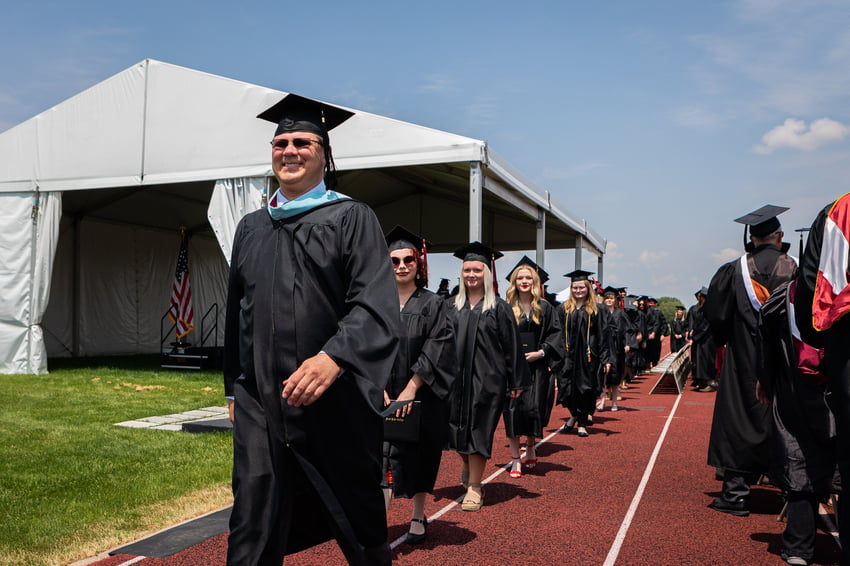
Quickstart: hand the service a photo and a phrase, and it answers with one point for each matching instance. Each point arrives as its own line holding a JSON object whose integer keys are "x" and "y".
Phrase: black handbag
{"x": 406, "y": 428}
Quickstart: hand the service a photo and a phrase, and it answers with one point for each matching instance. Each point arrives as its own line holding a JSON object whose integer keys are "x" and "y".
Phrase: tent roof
{"x": 147, "y": 129}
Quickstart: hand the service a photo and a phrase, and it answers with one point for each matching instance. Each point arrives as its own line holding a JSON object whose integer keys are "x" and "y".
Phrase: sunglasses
{"x": 299, "y": 143}
{"x": 408, "y": 259}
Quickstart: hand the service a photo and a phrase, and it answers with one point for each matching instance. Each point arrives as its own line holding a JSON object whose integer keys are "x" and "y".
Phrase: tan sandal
{"x": 470, "y": 502}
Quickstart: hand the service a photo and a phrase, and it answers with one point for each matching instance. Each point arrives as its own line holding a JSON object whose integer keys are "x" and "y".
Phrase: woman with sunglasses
{"x": 492, "y": 367}
{"x": 424, "y": 372}
{"x": 587, "y": 348}
{"x": 540, "y": 332}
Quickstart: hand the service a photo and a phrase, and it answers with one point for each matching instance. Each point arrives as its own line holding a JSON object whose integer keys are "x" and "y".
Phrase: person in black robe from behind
{"x": 803, "y": 443}
{"x": 678, "y": 330}
{"x": 311, "y": 334}
{"x": 542, "y": 342}
{"x": 587, "y": 352}
{"x": 424, "y": 371}
{"x": 741, "y": 424}
{"x": 492, "y": 367}
{"x": 821, "y": 306}
{"x": 656, "y": 325}
{"x": 703, "y": 350}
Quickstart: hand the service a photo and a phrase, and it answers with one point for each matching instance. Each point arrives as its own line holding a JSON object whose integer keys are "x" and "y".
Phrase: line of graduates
{"x": 470, "y": 358}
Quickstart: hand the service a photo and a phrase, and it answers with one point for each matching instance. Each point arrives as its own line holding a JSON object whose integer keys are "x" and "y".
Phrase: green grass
{"x": 72, "y": 484}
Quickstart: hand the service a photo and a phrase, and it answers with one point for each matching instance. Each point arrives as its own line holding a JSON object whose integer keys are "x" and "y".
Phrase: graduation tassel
{"x": 425, "y": 261}
{"x": 588, "y": 338}
{"x": 567, "y": 333}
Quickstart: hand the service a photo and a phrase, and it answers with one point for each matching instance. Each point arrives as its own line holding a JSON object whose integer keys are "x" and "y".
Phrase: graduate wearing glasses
{"x": 424, "y": 371}
{"x": 311, "y": 334}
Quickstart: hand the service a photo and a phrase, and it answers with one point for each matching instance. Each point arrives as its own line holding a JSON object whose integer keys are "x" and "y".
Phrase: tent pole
{"x": 75, "y": 309}
{"x": 476, "y": 200}
{"x": 540, "y": 251}
{"x": 579, "y": 249}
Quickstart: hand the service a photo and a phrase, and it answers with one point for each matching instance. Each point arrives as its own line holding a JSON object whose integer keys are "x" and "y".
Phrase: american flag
{"x": 181, "y": 312}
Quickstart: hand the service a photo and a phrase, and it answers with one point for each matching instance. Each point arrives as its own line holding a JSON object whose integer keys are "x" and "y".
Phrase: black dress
{"x": 586, "y": 348}
{"x": 491, "y": 364}
{"x": 427, "y": 349}
{"x": 529, "y": 415}
{"x": 679, "y": 327}
{"x": 319, "y": 281}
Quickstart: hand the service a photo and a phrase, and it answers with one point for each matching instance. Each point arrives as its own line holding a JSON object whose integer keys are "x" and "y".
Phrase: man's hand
{"x": 310, "y": 380}
{"x": 230, "y": 405}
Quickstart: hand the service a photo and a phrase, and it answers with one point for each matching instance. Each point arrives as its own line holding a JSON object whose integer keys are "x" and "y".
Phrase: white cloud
{"x": 794, "y": 134}
{"x": 726, "y": 255}
{"x": 611, "y": 251}
{"x": 649, "y": 256}
{"x": 578, "y": 170}
{"x": 439, "y": 84}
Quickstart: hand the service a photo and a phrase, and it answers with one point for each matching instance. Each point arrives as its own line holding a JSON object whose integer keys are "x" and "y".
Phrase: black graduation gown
{"x": 633, "y": 362}
{"x": 803, "y": 445}
{"x": 703, "y": 350}
{"x": 655, "y": 323}
{"x": 741, "y": 424}
{"x": 319, "y": 281}
{"x": 492, "y": 364}
{"x": 530, "y": 413}
{"x": 578, "y": 376}
{"x": 620, "y": 333}
{"x": 427, "y": 349}
{"x": 836, "y": 361}
{"x": 679, "y": 327}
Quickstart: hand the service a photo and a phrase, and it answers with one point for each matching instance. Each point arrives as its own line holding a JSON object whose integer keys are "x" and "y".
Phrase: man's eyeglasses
{"x": 408, "y": 259}
{"x": 299, "y": 143}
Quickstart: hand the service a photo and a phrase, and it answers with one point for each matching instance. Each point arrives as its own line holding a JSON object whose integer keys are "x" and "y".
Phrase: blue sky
{"x": 657, "y": 122}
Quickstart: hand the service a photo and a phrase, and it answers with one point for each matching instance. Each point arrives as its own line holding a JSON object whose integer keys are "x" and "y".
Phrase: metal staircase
{"x": 184, "y": 355}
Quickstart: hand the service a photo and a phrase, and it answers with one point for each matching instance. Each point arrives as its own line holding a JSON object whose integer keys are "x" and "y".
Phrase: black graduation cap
{"x": 527, "y": 261}
{"x": 294, "y": 113}
{"x": 609, "y": 290}
{"x": 476, "y": 251}
{"x": 400, "y": 238}
{"x": 680, "y": 308}
{"x": 579, "y": 275}
{"x": 702, "y": 291}
{"x": 762, "y": 222}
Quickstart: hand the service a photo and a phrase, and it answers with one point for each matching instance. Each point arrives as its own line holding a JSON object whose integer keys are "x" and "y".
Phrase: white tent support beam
{"x": 599, "y": 270}
{"x": 579, "y": 250}
{"x": 540, "y": 251}
{"x": 503, "y": 193}
{"x": 476, "y": 200}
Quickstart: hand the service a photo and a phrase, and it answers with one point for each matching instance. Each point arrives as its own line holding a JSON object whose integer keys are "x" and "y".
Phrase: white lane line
{"x": 449, "y": 506}
{"x": 627, "y": 520}
{"x": 133, "y": 561}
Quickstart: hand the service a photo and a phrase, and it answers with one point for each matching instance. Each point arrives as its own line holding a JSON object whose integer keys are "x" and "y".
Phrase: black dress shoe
{"x": 417, "y": 539}
{"x": 739, "y": 508}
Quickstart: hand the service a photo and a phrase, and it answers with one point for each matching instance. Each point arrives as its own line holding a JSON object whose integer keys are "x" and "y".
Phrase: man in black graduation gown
{"x": 310, "y": 339}
{"x": 741, "y": 423}
{"x": 821, "y": 306}
{"x": 703, "y": 350}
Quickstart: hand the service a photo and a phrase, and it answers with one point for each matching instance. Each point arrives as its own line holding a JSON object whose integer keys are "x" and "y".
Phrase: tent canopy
{"x": 155, "y": 126}
{"x": 103, "y": 181}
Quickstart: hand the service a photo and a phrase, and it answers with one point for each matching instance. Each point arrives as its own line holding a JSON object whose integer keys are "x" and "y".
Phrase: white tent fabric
{"x": 123, "y": 165}
{"x": 231, "y": 200}
{"x": 29, "y": 229}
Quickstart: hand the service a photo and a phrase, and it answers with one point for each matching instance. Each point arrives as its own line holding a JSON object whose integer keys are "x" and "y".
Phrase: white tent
{"x": 103, "y": 181}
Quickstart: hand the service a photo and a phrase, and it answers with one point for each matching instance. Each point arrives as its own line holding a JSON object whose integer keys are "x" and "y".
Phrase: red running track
{"x": 590, "y": 500}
